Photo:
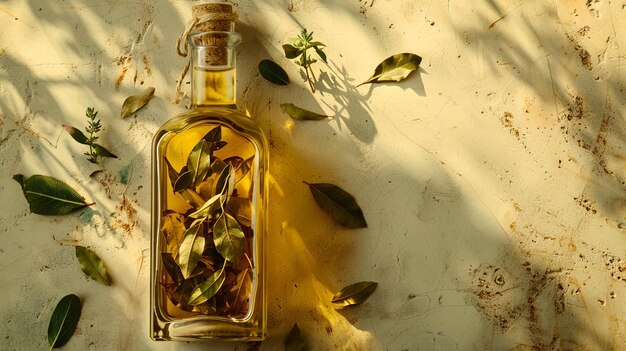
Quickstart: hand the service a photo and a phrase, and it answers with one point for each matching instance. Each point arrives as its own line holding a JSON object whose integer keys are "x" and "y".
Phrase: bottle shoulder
{"x": 220, "y": 115}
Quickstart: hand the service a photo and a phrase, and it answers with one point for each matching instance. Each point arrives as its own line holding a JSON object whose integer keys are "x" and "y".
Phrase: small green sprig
{"x": 298, "y": 49}
{"x": 96, "y": 151}
{"x": 93, "y": 128}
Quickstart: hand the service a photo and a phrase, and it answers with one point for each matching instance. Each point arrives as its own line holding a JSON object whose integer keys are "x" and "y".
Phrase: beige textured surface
{"x": 492, "y": 181}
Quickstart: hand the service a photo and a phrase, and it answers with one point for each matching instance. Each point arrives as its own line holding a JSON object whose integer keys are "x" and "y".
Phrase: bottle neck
{"x": 213, "y": 86}
{"x": 213, "y": 69}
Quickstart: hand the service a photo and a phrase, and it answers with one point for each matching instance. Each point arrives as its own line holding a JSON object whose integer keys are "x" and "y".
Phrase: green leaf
{"x": 339, "y": 204}
{"x": 63, "y": 321}
{"x": 207, "y": 289}
{"x": 92, "y": 265}
{"x": 50, "y": 196}
{"x": 321, "y": 54}
{"x": 208, "y": 208}
{"x": 395, "y": 68}
{"x": 133, "y": 103}
{"x": 294, "y": 340}
{"x": 191, "y": 248}
{"x": 191, "y": 196}
{"x": 199, "y": 161}
{"x": 229, "y": 238}
{"x": 76, "y": 134}
{"x": 291, "y": 52}
{"x": 353, "y": 294}
{"x": 226, "y": 181}
{"x": 273, "y": 73}
{"x": 214, "y": 135}
{"x": 102, "y": 151}
{"x": 301, "y": 114}
{"x": 241, "y": 209}
{"x": 184, "y": 181}
{"x": 171, "y": 267}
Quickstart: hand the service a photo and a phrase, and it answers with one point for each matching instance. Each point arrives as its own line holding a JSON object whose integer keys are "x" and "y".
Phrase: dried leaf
{"x": 184, "y": 181}
{"x": 214, "y": 135}
{"x": 273, "y": 73}
{"x": 395, "y": 68}
{"x": 206, "y": 290}
{"x": 50, "y": 196}
{"x": 63, "y": 321}
{"x": 76, "y": 134}
{"x": 173, "y": 229}
{"x": 294, "y": 340}
{"x": 92, "y": 265}
{"x": 191, "y": 196}
{"x": 191, "y": 248}
{"x": 172, "y": 268}
{"x": 208, "y": 208}
{"x": 301, "y": 114}
{"x": 229, "y": 238}
{"x": 339, "y": 204}
{"x": 240, "y": 291}
{"x": 133, "y": 103}
{"x": 102, "y": 151}
{"x": 241, "y": 209}
{"x": 226, "y": 181}
{"x": 199, "y": 162}
{"x": 353, "y": 294}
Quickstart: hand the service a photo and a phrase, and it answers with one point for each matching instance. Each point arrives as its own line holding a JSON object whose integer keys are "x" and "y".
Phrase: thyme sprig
{"x": 93, "y": 128}
{"x": 299, "y": 49}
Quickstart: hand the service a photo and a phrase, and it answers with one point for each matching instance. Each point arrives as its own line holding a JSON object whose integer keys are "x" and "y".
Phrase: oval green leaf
{"x": 294, "y": 340}
{"x": 291, "y": 52}
{"x": 395, "y": 68}
{"x": 273, "y": 73}
{"x": 353, "y": 294}
{"x": 50, "y": 196}
{"x": 199, "y": 161}
{"x": 339, "y": 204}
{"x": 207, "y": 289}
{"x": 191, "y": 248}
{"x": 302, "y": 114}
{"x": 184, "y": 181}
{"x": 64, "y": 321}
{"x": 133, "y": 103}
{"x": 92, "y": 265}
{"x": 229, "y": 238}
{"x": 76, "y": 134}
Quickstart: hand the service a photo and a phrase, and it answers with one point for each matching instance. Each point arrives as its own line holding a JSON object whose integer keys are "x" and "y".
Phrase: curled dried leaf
{"x": 302, "y": 114}
{"x": 395, "y": 68}
{"x": 133, "y": 103}
{"x": 353, "y": 294}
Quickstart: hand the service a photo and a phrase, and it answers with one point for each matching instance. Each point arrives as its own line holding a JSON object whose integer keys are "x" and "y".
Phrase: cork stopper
{"x": 221, "y": 17}
{"x": 216, "y": 19}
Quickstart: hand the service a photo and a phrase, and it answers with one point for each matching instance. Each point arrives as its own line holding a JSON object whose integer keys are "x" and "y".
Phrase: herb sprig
{"x": 96, "y": 151}
{"x": 299, "y": 48}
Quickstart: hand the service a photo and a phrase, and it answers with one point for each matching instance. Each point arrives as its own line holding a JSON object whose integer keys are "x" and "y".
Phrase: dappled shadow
{"x": 577, "y": 79}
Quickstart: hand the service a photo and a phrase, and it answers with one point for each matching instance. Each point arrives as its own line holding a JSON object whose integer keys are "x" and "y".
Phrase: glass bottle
{"x": 209, "y": 195}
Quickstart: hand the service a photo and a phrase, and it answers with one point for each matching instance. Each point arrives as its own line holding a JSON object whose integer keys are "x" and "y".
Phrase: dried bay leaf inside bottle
{"x": 209, "y": 200}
